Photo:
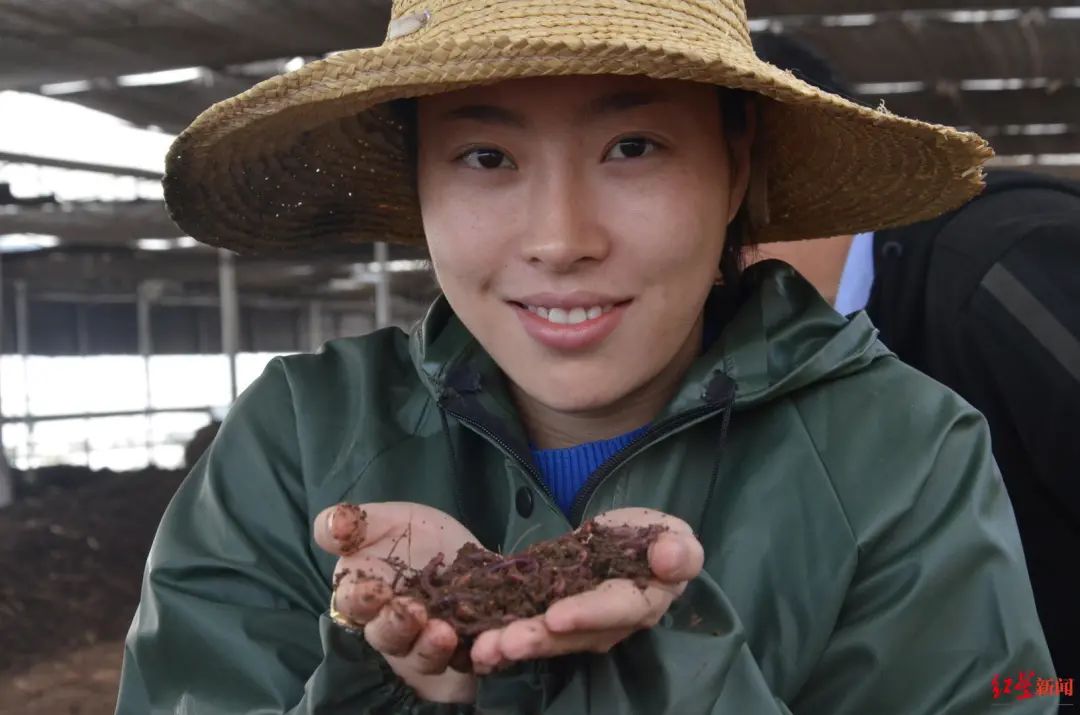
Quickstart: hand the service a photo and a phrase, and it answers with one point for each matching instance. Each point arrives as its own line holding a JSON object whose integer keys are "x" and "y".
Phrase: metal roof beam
{"x": 13, "y": 158}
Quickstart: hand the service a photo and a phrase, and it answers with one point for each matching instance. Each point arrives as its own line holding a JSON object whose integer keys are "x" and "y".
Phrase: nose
{"x": 562, "y": 234}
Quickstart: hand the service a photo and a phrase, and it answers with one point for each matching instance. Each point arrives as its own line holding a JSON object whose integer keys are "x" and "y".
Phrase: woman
{"x": 839, "y": 540}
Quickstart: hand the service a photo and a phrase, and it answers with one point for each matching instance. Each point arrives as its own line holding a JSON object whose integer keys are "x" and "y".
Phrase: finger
{"x": 397, "y": 627}
{"x": 359, "y": 600}
{"x": 434, "y": 648}
{"x": 676, "y": 558}
{"x": 614, "y": 604}
{"x": 524, "y": 639}
{"x": 341, "y": 529}
{"x": 485, "y": 654}
{"x": 530, "y": 640}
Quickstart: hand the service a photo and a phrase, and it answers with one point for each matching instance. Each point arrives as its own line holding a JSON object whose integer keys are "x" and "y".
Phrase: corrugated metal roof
{"x": 937, "y": 60}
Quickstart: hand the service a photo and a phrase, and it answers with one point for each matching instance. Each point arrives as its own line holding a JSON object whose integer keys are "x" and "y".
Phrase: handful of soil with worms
{"x": 481, "y": 590}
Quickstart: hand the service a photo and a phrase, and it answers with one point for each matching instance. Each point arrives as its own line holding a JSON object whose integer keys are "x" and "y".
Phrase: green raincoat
{"x": 861, "y": 553}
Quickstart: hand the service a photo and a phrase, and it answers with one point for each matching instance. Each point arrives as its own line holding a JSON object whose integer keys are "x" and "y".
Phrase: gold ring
{"x": 340, "y": 619}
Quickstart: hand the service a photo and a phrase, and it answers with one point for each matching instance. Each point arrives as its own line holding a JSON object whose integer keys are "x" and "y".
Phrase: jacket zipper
{"x": 507, "y": 449}
{"x": 654, "y": 433}
{"x": 616, "y": 460}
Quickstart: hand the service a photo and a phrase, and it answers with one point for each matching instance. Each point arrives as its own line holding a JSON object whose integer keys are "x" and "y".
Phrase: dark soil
{"x": 73, "y": 552}
{"x": 482, "y": 590}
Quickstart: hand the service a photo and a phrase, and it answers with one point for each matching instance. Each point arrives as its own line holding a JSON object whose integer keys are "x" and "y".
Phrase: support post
{"x": 382, "y": 285}
{"x": 22, "y": 346}
{"x": 230, "y": 314}
{"x": 82, "y": 347}
{"x": 315, "y": 325}
{"x": 146, "y": 347}
{"x": 82, "y": 331}
{"x": 7, "y": 481}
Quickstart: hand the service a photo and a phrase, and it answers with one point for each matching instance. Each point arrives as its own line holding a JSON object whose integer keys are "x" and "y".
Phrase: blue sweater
{"x": 566, "y": 470}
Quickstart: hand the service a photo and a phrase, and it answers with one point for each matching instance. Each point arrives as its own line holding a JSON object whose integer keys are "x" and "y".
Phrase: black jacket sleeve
{"x": 1010, "y": 345}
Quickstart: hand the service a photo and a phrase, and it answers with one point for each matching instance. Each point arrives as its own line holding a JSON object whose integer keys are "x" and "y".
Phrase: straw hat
{"x": 313, "y": 159}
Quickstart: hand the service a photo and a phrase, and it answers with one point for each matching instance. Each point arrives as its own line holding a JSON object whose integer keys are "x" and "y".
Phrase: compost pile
{"x": 74, "y": 549}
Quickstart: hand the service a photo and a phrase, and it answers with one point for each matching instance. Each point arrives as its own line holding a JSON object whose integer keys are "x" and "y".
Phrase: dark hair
{"x": 734, "y": 105}
{"x": 734, "y": 108}
{"x": 803, "y": 61}
{"x": 403, "y": 111}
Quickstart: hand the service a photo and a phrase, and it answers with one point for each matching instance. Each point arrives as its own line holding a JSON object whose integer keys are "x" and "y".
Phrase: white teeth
{"x": 561, "y": 316}
{"x": 557, "y": 316}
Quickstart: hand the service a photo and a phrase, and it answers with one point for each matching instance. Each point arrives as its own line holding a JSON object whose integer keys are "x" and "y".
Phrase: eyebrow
{"x": 605, "y": 105}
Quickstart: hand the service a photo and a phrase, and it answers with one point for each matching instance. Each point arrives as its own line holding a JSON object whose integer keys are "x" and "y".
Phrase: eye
{"x": 631, "y": 148}
{"x": 485, "y": 158}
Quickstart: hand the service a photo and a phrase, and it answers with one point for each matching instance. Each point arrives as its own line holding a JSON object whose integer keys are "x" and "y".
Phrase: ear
{"x": 742, "y": 165}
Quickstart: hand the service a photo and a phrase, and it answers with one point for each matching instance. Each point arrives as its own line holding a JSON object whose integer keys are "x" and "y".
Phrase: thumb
{"x": 341, "y": 529}
{"x": 675, "y": 558}
{"x": 344, "y": 529}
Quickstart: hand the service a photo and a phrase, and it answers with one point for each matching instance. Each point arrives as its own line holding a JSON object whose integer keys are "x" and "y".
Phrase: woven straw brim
{"x": 313, "y": 159}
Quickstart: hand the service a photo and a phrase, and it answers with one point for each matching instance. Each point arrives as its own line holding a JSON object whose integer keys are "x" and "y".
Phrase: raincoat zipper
{"x": 653, "y": 434}
{"x": 506, "y": 448}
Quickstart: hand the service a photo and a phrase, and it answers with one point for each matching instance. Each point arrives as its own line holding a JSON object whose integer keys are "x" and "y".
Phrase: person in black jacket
{"x": 985, "y": 299}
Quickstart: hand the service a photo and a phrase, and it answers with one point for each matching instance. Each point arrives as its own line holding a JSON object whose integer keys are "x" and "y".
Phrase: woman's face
{"x": 576, "y": 224}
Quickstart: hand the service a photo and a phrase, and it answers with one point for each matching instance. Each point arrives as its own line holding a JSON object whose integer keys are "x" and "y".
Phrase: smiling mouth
{"x": 570, "y": 316}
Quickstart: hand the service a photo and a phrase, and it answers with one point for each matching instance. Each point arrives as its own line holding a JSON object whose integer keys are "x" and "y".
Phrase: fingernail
{"x": 673, "y": 545}
{"x": 557, "y": 621}
{"x": 347, "y": 526}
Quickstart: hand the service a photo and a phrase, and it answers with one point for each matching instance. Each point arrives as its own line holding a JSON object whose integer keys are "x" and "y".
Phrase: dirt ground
{"x": 81, "y": 682}
{"x": 73, "y": 552}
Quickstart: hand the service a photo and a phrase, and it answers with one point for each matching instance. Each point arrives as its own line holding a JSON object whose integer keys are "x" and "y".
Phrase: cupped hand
{"x": 597, "y": 620}
{"x": 418, "y": 649}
